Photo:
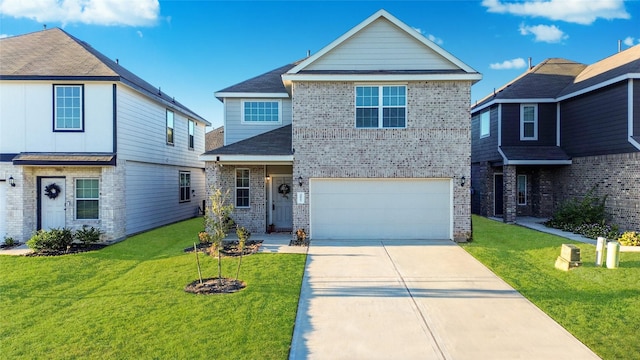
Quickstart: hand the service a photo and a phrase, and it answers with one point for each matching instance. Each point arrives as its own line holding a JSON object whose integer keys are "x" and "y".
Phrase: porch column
{"x": 510, "y": 197}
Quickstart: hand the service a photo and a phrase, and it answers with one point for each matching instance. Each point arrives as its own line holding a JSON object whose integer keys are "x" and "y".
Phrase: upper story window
{"x": 381, "y": 106}
{"x": 185, "y": 186}
{"x": 529, "y": 122}
{"x": 242, "y": 188}
{"x": 485, "y": 124}
{"x": 191, "y": 130}
{"x": 87, "y": 199}
{"x": 170, "y": 127}
{"x": 68, "y": 107}
{"x": 261, "y": 112}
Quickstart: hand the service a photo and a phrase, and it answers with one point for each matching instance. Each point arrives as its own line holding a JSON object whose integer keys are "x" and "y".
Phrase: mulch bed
{"x": 215, "y": 286}
{"x": 229, "y": 248}
{"x": 9, "y": 247}
{"x": 73, "y": 249}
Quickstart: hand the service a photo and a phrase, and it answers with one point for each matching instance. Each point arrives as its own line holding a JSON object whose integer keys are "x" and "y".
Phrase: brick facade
{"x": 435, "y": 144}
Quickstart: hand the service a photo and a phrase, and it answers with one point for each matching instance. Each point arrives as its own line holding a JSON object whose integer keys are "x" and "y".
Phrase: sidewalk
{"x": 538, "y": 224}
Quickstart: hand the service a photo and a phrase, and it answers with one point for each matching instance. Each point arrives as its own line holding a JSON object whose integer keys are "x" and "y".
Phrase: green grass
{"x": 599, "y": 306}
{"x": 127, "y": 301}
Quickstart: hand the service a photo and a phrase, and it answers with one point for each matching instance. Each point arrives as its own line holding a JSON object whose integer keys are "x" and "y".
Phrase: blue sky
{"x": 193, "y": 48}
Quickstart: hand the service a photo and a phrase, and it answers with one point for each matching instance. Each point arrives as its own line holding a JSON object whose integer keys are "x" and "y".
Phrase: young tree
{"x": 217, "y": 224}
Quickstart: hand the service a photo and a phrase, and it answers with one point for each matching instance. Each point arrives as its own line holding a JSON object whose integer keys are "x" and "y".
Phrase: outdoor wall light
{"x": 463, "y": 180}
{"x": 300, "y": 180}
{"x": 193, "y": 193}
{"x": 12, "y": 182}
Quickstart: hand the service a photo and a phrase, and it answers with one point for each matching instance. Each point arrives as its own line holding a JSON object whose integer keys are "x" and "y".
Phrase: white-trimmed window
{"x": 529, "y": 122}
{"x": 87, "y": 199}
{"x": 261, "y": 111}
{"x": 381, "y": 106}
{"x": 191, "y": 130}
{"x": 185, "y": 186}
{"x": 68, "y": 107}
{"x": 485, "y": 124}
{"x": 170, "y": 134}
{"x": 242, "y": 188}
{"x": 522, "y": 189}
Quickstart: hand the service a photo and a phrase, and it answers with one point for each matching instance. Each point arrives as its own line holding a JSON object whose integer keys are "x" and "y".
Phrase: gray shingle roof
{"x": 274, "y": 142}
{"x": 534, "y": 153}
{"x": 56, "y": 55}
{"x": 269, "y": 82}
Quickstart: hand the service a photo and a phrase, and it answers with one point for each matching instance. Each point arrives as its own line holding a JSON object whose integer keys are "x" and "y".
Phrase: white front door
{"x": 282, "y": 202}
{"x": 52, "y": 203}
{"x": 3, "y": 212}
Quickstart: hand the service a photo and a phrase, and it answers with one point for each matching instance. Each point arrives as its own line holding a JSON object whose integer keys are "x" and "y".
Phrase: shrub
{"x": 54, "y": 239}
{"x": 9, "y": 241}
{"x": 593, "y": 231}
{"x": 629, "y": 238}
{"x": 574, "y": 212}
{"x": 88, "y": 235}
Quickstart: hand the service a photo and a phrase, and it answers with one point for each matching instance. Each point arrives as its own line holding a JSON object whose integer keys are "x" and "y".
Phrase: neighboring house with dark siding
{"x": 83, "y": 141}
{"x": 557, "y": 132}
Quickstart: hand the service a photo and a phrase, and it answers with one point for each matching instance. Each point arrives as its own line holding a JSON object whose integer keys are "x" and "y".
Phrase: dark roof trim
{"x": 65, "y": 159}
{"x": 7, "y": 157}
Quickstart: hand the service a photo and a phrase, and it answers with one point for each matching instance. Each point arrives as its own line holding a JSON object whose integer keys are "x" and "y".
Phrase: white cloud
{"x": 96, "y": 12}
{"x": 629, "y": 41}
{"x": 431, "y": 37}
{"x": 140, "y": 34}
{"x": 583, "y": 12}
{"x": 2, "y": 36}
{"x": 517, "y": 63}
{"x": 544, "y": 33}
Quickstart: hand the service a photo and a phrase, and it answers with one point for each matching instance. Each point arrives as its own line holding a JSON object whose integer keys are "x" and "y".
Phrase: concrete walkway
{"x": 538, "y": 224}
{"x": 417, "y": 300}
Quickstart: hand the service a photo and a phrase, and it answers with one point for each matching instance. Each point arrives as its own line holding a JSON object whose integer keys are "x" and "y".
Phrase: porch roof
{"x": 271, "y": 147}
{"x": 534, "y": 155}
{"x": 65, "y": 159}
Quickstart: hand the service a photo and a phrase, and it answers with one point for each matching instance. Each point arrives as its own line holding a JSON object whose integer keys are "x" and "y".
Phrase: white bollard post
{"x": 613, "y": 255}
{"x": 600, "y": 250}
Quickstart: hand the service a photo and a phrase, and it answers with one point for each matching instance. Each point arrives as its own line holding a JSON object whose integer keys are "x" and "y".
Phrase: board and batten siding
{"x": 153, "y": 195}
{"x": 596, "y": 123}
{"x": 236, "y": 130}
{"x": 142, "y": 132}
{"x": 381, "y": 46}
{"x": 27, "y": 113}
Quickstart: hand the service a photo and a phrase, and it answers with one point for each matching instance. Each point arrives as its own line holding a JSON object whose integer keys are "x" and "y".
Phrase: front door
{"x": 52, "y": 203}
{"x": 282, "y": 202}
{"x": 498, "y": 195}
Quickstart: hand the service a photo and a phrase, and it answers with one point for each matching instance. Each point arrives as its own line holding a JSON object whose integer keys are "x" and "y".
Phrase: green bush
{"x": 574, "y": 212}
{"x": 88, "y": 235}
{"x": 630, "y": 238}
{"x": 9, "y": 241}
{"x": 54, "y": 239}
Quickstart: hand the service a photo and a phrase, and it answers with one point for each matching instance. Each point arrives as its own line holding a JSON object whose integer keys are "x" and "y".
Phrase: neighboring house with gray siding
{"x": 352, "y": 144}
{"x": 557, "y": 132}
{"x": 83, "y": 141}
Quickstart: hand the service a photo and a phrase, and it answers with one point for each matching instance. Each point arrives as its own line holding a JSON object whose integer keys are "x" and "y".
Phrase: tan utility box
{"x": 570, "y": 252}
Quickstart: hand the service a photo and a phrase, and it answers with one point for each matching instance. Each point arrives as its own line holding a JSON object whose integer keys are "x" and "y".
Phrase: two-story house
{"x": 556, "y": 132}
{"x": 369, "y": 138}
{"x": 83, "y": 141}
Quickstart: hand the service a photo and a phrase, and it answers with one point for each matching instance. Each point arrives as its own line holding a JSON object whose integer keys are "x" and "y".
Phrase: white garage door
{"x": 380, "y": 208}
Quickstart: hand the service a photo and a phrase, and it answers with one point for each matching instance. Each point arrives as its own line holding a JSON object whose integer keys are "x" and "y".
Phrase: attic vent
{"x": 159, "y": 90}
{"x": 308, "y": 53}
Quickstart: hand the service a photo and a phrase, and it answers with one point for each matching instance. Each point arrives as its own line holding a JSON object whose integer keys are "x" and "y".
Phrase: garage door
{"x": 380, "y": 208}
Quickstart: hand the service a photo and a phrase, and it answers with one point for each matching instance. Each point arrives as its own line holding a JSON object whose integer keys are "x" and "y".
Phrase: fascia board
{"x": 251, "y": 95}
{"x": 381, "y": 77}
{"x": 600, "y": 85}
{"x": 512, "y": 101}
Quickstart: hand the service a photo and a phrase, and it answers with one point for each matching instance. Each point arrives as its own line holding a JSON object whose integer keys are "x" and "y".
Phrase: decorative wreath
{"x": 284, "y": 189}
{"x": 52, "y": 190}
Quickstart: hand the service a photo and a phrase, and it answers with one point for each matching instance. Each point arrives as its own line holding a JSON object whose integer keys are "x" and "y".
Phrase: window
{"x": 485, "y": 123}
{"x": 242, "y": 188}
{"x": 528, "y": 122}
{"x": 68, "y": 108}
{"x": 87, "y": 199}
{"x": 185, "y": 186}
{"x": 169, "y": 127}
{"x": 522, "y": 189}
{"x": 381, "y": 106}
{"x": 192, "y": 126}
{"x": 261, "y": 112}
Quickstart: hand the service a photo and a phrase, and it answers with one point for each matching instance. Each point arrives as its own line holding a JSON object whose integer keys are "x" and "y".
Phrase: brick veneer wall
{"x": 435, "y": 144}
{"x": 253, "y": 218}
{"x": 616, "y": 176}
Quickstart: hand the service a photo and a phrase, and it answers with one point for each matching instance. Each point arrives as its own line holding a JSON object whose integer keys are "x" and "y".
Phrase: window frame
{"x": 191, "y": 129}
{"x": 522, "y": 179}
{"x": 483, "y": 126}
{"x": 171, "y": 135}
{"x": 184, "y": 190}
{"x": 258, "y": 122}
{"x": 78, "y": 199}
{"x": 247, "y": 188}
{"x": 534, "y": 122}
{"x": 55, "y": 105}
{"x": 380, "y": 106}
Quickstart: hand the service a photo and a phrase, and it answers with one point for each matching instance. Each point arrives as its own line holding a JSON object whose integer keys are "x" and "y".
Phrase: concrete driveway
{"x": 417, "y": 300}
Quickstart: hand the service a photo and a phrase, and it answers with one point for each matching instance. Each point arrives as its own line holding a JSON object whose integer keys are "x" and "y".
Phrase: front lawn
{"x": 127, "y": 302}
{"x": 597, "y": 305}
